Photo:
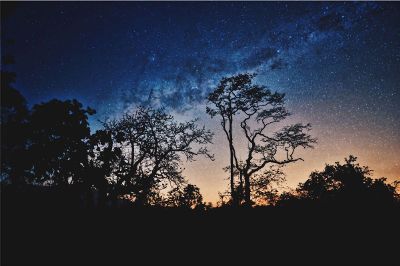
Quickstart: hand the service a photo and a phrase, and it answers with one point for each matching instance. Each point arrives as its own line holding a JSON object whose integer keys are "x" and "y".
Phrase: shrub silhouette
{"x": 346, "y": 184}
{"x": 188, "y": 197}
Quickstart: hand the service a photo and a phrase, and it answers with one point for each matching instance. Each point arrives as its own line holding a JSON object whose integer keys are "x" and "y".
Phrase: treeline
{"x": 136, "y": 159}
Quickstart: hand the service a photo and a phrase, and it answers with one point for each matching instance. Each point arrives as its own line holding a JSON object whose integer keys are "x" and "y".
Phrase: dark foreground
{"x": 312, "y": 235}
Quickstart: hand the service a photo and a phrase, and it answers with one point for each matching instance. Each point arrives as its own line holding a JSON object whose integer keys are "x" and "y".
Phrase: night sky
{"x": 338, "y": 63}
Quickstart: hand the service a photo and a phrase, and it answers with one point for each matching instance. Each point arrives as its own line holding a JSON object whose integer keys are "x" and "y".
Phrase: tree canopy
{"x": 59, "y": 141}
{"x": 144, "y": 151}
{"x": 346, "y": 184}
{"x": 256, "y": 109}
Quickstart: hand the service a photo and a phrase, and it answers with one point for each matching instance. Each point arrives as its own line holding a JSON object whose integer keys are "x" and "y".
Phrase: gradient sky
{"x": 338, "y": 63}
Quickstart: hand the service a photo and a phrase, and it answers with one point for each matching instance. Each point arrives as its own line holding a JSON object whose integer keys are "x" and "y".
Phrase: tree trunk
{"x": 240, "y": 192}
{"x": 233, "y": 193}
{"x": 247, "y": 198}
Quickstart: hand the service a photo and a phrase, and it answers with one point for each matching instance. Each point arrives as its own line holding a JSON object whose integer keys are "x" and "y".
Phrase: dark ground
{"x": 313, "y": 235}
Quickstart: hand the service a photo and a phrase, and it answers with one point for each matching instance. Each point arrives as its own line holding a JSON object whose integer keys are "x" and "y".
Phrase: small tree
{"x": 185, "y": 197}
{"x": 264, "y": 186}
{"x": 147, "y": 148}
{"x": 257, "y": 109}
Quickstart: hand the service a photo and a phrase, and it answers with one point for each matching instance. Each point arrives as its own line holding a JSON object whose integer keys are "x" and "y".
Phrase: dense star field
{"x": 338, "y": 64}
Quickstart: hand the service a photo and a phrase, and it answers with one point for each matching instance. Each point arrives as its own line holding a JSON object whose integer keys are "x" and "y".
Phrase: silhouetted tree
{"x": 103, "y": 158}
{"x": 347, "y": 183}
{"x": 185, "y": 197}
{"x": 256, "y": 108}
{"x": 224, "y": 199}
{"x": 226, "y": 98}
{"x": 59, "y": 142}
{"x": 14, "y": 118}
{"x": 146, "y": 148}
{"x": 264, "y": 186}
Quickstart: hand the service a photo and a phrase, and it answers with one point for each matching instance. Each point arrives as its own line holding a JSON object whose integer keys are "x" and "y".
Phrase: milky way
{"x": 338, "y": 64}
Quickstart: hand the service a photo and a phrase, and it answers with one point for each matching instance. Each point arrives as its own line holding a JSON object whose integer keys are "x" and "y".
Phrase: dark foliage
{"x": 59, "y": 134}
{"x": 133, "y": 159}
{"x": 347, "y": 184}
{"x": 55, "y": 234}
{"x": 14, "y": 129}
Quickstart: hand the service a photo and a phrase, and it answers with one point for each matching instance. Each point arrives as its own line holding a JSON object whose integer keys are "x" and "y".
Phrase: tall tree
{"x": 149, "y": 146}
{"x": 227, "y": 103}
{"x": 257, "y": 109}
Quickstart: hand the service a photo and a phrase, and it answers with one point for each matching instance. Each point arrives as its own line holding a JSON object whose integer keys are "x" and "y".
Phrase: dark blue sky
{"x": 339, "y": 63}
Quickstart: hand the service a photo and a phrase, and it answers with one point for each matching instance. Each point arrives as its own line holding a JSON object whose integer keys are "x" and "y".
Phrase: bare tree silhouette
{"x": 227, "y": 105}
{"x": 141, "y": 153}
{"x": 256, "y": 107}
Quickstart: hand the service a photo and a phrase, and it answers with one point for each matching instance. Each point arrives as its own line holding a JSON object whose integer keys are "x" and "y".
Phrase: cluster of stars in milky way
{"x": 337, "y": 62}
